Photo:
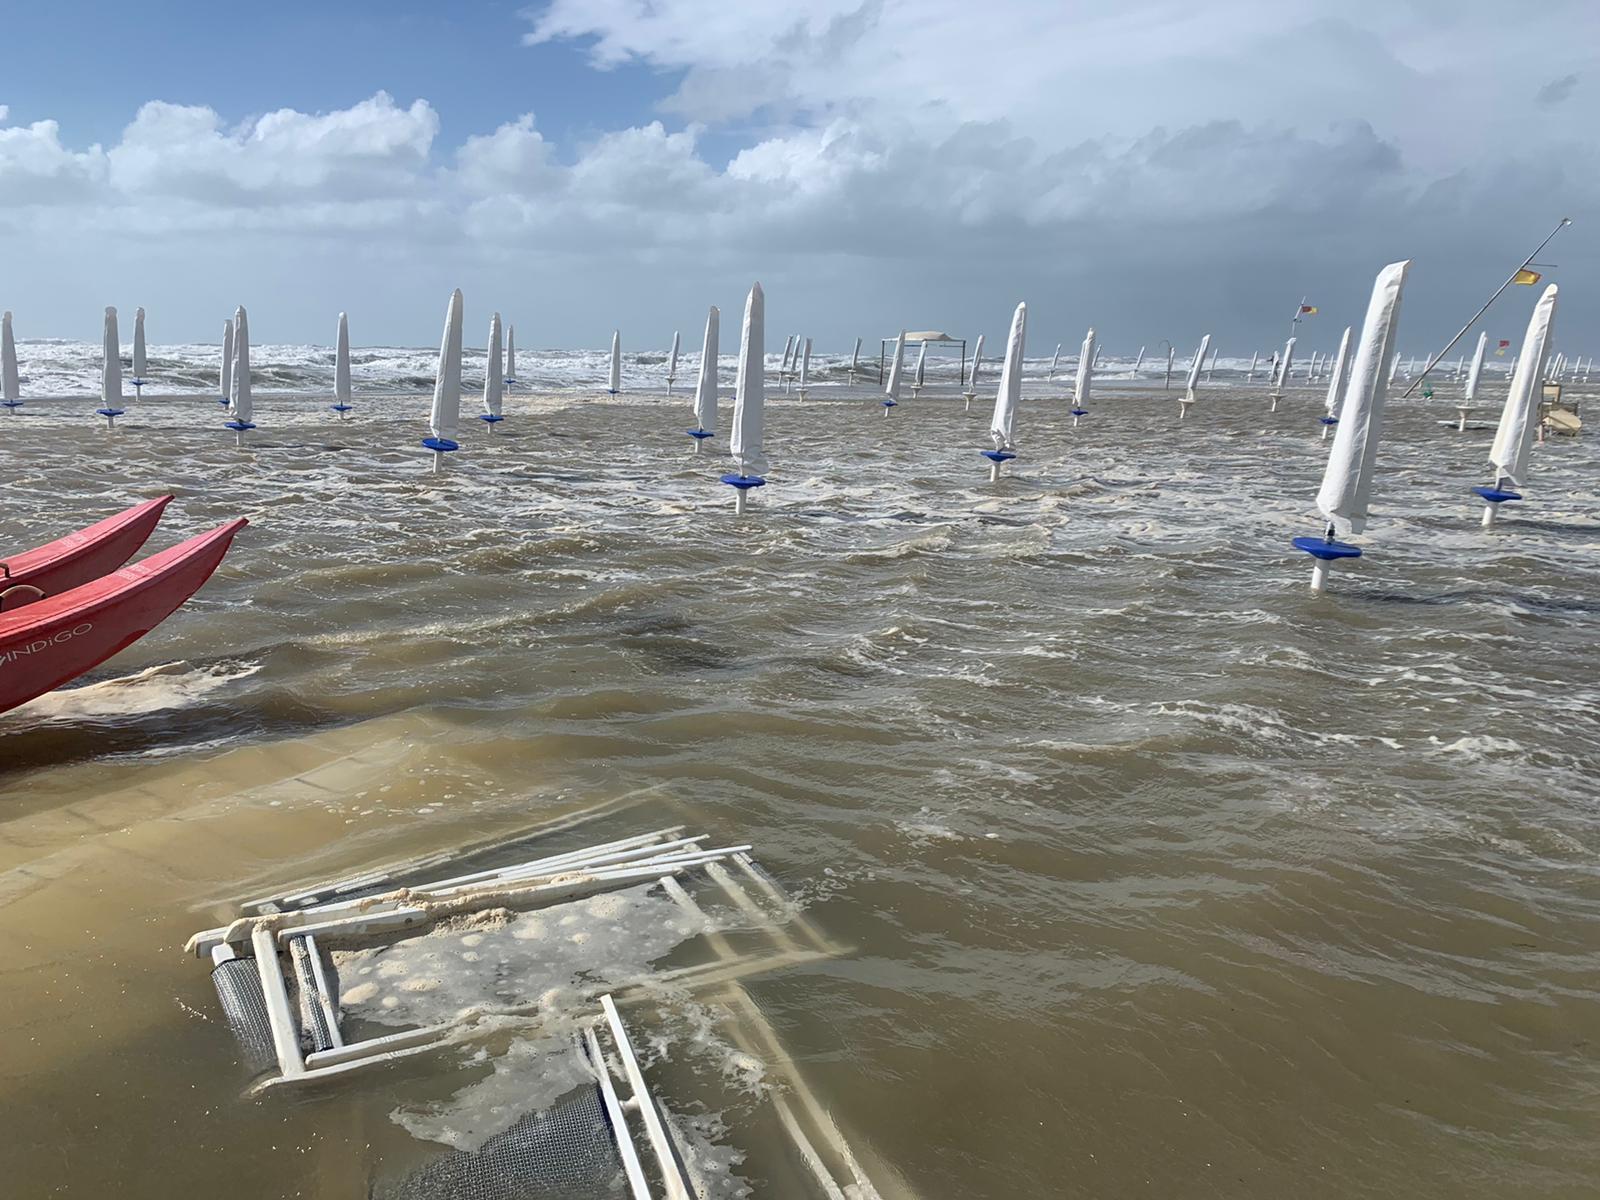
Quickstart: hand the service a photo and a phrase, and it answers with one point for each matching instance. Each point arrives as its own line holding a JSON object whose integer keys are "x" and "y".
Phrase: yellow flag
{"x": 1526, "y": 277}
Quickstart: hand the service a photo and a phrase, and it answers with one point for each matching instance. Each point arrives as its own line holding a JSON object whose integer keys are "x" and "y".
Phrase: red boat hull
{"x": 79, "y": 557}
{"x": 52, "y": 641}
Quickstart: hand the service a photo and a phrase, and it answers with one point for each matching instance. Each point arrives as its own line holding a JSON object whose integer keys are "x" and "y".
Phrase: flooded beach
{"x": 1159, "y": 874}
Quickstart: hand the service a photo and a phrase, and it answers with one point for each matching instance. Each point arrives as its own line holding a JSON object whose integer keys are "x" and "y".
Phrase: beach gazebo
{"x": 919, "y": 338}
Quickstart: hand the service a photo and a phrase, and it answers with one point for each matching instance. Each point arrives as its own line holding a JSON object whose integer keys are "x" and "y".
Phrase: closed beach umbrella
{"x": 1194, "y": 376}
{"x": 138, "y": 348}
{"x": 972, "y": 377}
{"x": 341, "y": 368}
{"x": 1346, "y": 491}
{"x": 511, "y": 354}
{"x": 110, "y": 371}
{"x": 1282, "y": 377}
{"x": 672, "y": 363}
{"x": 1003, "y": 424}
{"x": 1475, "y": 372}
{"x": 705, "y": 388}
{"x": 892, "y": 388}
{"x": 226, "y": 380}
{"x": 615, "y": 384}
{"x": 1519, "y": 418}
{"x": 1080, "y": 390}
{"x": 445, "y": 418}
{"x": 1464, "y": 409}
{"x": 1336, "y": 384}
{"x": 749, "y": 401}
{"x": 493, "y": 385}
{"x": 243, "y": 405}
{"x": 10, "y": 387}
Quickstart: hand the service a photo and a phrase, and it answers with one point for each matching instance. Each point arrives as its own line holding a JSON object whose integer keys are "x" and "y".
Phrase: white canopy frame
{"x": 921, "y": 338}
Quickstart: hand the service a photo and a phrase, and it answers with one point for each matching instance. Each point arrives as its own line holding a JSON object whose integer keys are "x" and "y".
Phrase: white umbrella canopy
{"x": 805, "y": 363}
{"x": 445, "y": 418}
{"x": 1341, "y": 371}
{"x": 1346, "y": 492}
{"x": 1054, "y": 361}
{"x": 672, "y": 360}
{"x": 855, "y": 356}
{"x": 227, "y": 363}
{"x": 1476, "y": 370}
{"x": 749, "y": 398}
{"x": 341, "y": 362}
{"x": 493, "y": 381}
{"x": 705, "y": 388}
{"x": 615, "y": 384}
{"x": 10, "y": 386}
{"x": 138, "y": 345}
{"x": 111, "y": 363}
{"x": 1194, "y": 367}
{"x": 1080, "y": 389}
{"x": 896, "y": 366}
{"x": 977, "y": 361}
{"x": 788, "y": 350}
{"x": 922, "y": 365}
{"x": 243, "y": 405}
{"x": 1518, "y": 419}
{"x": 511, "y": 354}
{"x": 1003, "y": 424}
{"x": 1284, "y": 364}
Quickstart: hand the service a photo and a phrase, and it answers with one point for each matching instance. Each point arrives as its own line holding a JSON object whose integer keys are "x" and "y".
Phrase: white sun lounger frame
{"x": 805, "y": 1122}
{"x": 656, "y": 857}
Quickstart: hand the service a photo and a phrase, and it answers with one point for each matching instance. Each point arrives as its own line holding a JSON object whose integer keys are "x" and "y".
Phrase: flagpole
{"x": 1510, "y": 279}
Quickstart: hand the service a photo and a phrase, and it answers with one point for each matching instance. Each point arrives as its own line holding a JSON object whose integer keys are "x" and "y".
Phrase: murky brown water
{"x": 1164, "y": 876}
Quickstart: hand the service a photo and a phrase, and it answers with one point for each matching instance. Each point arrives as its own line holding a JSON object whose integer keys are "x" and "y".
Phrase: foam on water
{"x": 57, "y": 367}
{"x": 489, "y": 962}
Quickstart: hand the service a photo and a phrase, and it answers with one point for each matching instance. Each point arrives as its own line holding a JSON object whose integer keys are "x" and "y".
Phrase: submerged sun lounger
{"x": 615, "y": 1137}
{"x": 274, "y": 978}
{"x": 277, "y": 980}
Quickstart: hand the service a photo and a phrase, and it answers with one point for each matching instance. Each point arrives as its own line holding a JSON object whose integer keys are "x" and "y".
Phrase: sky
{"x": 1153, "y": 168}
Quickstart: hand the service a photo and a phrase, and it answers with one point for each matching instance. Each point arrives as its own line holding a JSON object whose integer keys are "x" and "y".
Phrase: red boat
{"x": 51, "y": 641}
{"x": 79, "y": 557}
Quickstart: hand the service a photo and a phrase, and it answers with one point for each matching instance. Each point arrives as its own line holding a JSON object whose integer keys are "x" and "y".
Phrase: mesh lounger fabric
{"x": 239, "y": 992}
{"x": 566, "y": 1152}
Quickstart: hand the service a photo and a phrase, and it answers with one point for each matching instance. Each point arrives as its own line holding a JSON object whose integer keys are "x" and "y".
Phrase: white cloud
{"x": 515, "y": 156}
{"x": 1030, "y": 146}
{"x": 1445, "y": 80}
{"x": 359, "y": 153}
{"x": 35, "y": 168}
